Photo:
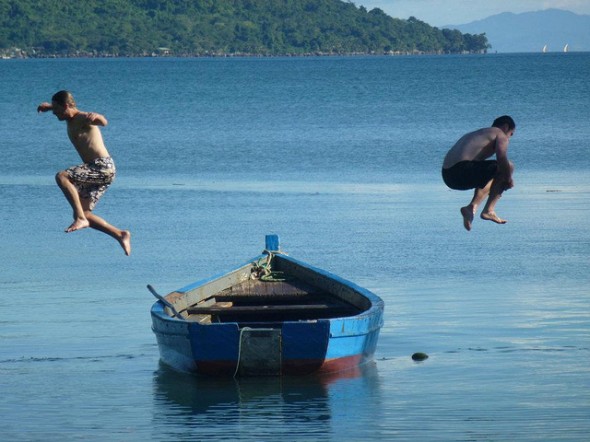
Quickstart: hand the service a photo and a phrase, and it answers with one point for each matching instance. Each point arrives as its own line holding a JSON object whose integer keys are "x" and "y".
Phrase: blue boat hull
{"x": 290, "y": 347}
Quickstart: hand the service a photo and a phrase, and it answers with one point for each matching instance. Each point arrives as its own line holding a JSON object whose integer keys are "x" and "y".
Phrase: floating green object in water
{"x": 419, "y": 356}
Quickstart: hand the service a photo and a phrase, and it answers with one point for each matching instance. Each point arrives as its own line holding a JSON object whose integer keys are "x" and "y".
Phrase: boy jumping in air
{"x": 466, "y": 166}
{"x": 85, "y": 184}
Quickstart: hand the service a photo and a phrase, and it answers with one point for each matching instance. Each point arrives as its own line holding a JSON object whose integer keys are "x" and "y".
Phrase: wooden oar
{"x": 164, "y": 301}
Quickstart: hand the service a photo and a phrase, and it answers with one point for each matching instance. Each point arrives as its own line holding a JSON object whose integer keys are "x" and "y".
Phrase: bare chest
{"x": 87, "y": 140}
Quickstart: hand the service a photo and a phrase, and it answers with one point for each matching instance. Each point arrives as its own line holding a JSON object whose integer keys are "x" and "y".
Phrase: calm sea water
{"x": 341, "y": 157}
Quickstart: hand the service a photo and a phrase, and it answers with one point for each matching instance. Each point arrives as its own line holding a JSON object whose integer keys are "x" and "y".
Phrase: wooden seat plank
{"x": 253, "y": 310}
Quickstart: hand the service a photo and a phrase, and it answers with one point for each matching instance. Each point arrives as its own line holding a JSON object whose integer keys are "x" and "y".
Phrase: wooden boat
{"x": 274, "y": 315}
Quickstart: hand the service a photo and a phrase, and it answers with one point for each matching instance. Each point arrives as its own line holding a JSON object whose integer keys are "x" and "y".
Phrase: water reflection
{"x": 261, "y": 408}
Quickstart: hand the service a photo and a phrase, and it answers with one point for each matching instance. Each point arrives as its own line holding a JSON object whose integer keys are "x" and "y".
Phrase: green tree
{"x": 195, "y": 27}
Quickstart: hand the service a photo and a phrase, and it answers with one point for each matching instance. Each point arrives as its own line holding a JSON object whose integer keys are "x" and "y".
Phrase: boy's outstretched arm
{"x": 44, "y": 107}
{"x": 96, "y": 119}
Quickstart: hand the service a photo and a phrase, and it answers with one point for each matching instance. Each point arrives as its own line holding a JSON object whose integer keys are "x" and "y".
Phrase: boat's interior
{"x": 264, "y": 301}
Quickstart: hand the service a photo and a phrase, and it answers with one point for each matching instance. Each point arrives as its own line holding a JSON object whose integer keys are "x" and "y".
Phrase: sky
{"x": 459, "y": 12}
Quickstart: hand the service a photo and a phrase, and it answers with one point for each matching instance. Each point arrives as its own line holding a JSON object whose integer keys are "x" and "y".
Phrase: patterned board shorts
{"x": 93, "y": 179}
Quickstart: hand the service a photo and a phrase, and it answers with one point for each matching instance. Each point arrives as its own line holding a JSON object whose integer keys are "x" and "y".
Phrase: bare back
{"x": 475, "y": 146}
{"x": 86, "y": 136}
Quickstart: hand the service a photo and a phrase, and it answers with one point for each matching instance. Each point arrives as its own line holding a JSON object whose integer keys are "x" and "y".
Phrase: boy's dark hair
{"x": 63, "y": 98}
{"x": 504, "y": 119}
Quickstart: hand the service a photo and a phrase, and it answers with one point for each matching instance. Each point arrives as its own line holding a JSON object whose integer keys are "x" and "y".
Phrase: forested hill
{"x": 216, "y": 27}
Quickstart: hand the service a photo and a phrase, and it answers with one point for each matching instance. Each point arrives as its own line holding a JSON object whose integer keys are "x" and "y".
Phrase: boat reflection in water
{"x": 279, "y": 407}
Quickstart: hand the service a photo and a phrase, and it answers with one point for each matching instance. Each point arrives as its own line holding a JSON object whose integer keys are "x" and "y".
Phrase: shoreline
{"x": 8, "y": 55}
{"x": 287, "y": 55}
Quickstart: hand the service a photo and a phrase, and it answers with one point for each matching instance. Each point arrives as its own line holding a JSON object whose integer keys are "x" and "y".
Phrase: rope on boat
{"x": 274, "y": 277}
{"x": 263, "y": 271}
{"x": 240, "y": 350}
{"x": 261, "y": 267}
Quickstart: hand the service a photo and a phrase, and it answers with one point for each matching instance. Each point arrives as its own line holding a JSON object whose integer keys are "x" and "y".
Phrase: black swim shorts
{"x": 470, "y": 174}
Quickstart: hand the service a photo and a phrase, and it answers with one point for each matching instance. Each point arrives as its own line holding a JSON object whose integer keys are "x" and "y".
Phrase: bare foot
{"x": 491, "y": 216}
{"x": 467, "y": 213}
{"x": 125, "y": 242}
{"x": 78, "y": 224}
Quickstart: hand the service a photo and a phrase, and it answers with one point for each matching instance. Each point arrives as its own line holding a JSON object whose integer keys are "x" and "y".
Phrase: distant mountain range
{"x": 531, "y": 31}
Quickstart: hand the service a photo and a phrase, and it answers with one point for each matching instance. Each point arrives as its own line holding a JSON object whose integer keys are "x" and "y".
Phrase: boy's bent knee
{"x": 62, "y": 177}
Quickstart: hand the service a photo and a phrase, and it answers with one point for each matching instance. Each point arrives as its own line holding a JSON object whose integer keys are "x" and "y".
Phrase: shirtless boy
{"x": 466, "y": 167}
{"x": 85, "y": 184}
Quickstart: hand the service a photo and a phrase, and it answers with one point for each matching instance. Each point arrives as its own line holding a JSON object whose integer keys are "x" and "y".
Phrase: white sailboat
{"x": 544, "y": 49}
{"x": 566, "y": 48}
